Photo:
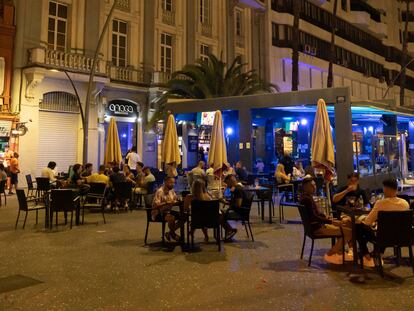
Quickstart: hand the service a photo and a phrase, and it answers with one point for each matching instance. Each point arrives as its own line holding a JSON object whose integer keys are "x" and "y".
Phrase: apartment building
{"x": 368, "y": 46}
{"x": 145, "y": 42}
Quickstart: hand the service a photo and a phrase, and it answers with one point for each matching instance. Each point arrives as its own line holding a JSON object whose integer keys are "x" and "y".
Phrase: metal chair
{"x": 308, "y": 231}
{"x": 123, "y": 193}
{"x": 3, "y": 191}
{"x": 205, "y": 214}
{"x": 42, "y": 186}
{"x": 148, "y": 208}
{"x": 62, "y": 200}
{"x": 394, "y": 230}
{"x": 27, "y": 205}
{"x": 243, "y": 214}
{"x": 95, "y": 199}
{"x": 30, "y": 185}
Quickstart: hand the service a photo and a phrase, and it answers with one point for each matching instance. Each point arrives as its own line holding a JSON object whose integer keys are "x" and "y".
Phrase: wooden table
{"x": 262, "y": 201}
{"x": 353, "y": 213}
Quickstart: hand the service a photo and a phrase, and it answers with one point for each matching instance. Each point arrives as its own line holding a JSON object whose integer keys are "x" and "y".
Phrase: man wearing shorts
{"x": 14, "y": 171}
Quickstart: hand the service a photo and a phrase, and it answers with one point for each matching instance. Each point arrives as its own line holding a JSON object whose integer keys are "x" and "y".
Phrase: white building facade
{"x": 148, "y": 40}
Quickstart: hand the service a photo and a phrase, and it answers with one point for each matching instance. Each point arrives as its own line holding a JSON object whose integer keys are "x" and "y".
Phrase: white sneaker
{"x": 349, "y": 256}
{"x": 370, "y": 263}
{"x": 334, "y": 259}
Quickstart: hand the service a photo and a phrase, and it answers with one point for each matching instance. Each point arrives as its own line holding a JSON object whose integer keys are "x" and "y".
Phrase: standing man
{"x": 14, "y": 171}
{"x": 133, "y": 159}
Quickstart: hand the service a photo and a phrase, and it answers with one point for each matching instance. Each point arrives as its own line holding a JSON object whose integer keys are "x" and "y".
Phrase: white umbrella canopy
{"x": 170, "y": 154}
{"x": 323, "y": 155}
{"x": 217, "y": 155}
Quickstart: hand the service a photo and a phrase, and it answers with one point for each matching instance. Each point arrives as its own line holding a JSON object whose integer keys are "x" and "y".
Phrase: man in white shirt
{"x": 48, "y": 172}
{"x": 366, "y": 231}
{"x": 133, "y": 159}
{"x": 199, "y": 169}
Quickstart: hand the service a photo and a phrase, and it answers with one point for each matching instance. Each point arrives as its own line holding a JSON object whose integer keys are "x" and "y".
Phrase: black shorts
{"x": 13, "y": 178}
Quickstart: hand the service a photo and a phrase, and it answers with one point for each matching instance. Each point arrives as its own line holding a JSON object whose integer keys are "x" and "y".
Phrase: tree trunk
{"x": 90, "y": 83}
{"x": 332, "y": 55}
{"x": 295, "y": 45}
{"x": 404, "y": 54}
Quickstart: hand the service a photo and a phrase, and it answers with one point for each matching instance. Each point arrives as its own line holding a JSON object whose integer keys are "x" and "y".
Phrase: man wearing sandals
{"x": 164, "y": 199}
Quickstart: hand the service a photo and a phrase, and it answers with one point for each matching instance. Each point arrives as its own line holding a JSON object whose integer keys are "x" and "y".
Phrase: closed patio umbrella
{"x": 217, "y": 155}
{"x": 113, "y": 147}
{"x": 323, "y": 156}
{"x": 170, "y": 154}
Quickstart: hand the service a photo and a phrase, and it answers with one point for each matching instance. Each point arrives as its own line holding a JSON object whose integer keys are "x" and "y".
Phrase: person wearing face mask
{"x": 164, "y": 199}
{"x": 352, "y": 189}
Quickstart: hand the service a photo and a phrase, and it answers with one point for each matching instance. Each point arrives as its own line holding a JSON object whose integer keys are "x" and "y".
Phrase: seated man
{"x": 241, "y": 172}
{"x": 99, "y": 177}
{"x": 199, "y": 169}
{"x": 164, "y": 200}
{"x": 237, "y": 200}
{"x": 323, "y": 225}
{"x": 139, "y": 177}
{"x": 366, "y": 230}
{"x": 49, "y": 172}
{"x": 117, "y": 176}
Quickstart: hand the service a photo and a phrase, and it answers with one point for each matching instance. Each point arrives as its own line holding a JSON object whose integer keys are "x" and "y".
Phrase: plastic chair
{"x": 27, "y": 205}
{"x": 308, "y": 231}
{"x": 205, "y": 214}
{"x": 148, "y": 208}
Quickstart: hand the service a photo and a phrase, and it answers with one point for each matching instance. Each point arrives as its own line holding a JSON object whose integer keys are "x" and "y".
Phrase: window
{"x": 344, "y": 5}
{"x": 167, "y": 5}
{"x": 204, "y": 51}
{"x": 119, "y": 43}
{"x": 205, "y": 11}
{"x": 166, "y": 52}
{"x": 239, "y": 21}
{"x": 57, "y": 26}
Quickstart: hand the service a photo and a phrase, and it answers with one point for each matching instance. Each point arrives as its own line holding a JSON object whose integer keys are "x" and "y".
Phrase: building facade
{"x": 147, "y": 40}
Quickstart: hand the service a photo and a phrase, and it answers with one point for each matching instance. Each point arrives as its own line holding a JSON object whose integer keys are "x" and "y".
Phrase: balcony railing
{"x": 79, "y": 63}
{"x": 125, "y": 74}
{"x": 63, "y": 60}
{"x": 168, "y": 17}
{"x": 206, "y": 29}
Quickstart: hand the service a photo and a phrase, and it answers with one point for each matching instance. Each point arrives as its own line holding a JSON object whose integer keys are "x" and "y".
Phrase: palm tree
{"x": 332, "y": 49}
{"x": 211, "y": 78}
{"x": 404, "y": 53}
{"x": 295, "y": 44}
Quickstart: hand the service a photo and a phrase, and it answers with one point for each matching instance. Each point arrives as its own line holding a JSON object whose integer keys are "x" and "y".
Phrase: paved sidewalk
{"x": 106, "y": 267}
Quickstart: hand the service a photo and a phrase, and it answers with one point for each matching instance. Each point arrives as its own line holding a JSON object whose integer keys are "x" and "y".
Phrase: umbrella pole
{"x": 328, "y": 197}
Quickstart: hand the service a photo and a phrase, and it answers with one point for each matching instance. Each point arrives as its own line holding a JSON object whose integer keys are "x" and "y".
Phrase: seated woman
{"x": 76, "y": 181}
{"x": 129, "y": 176}
{"x": 199, "y": 193}
{"x": 280, "y": 174}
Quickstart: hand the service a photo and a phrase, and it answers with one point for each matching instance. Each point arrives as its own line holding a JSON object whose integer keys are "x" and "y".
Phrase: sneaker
{"x": 334, "y": 259}
{"x": 369, "y": 263}
{"x": 349, "y": 256}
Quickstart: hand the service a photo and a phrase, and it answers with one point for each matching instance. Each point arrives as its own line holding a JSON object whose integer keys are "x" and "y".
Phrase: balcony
{"x": 168, "y": 17}
{"x": 160, "y": 77}
{"x": 125, "y": 74}
{"x": 63, "y": 60}
{"x": 363, "y": 20}
{"x": 206, "y": 30}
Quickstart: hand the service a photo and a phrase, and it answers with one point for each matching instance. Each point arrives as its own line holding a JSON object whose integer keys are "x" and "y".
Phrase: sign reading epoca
{"x": 120, "y": 108}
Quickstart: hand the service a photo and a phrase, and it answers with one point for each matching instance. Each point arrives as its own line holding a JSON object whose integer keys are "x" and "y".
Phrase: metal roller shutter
{"x": 58, "y": 139}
